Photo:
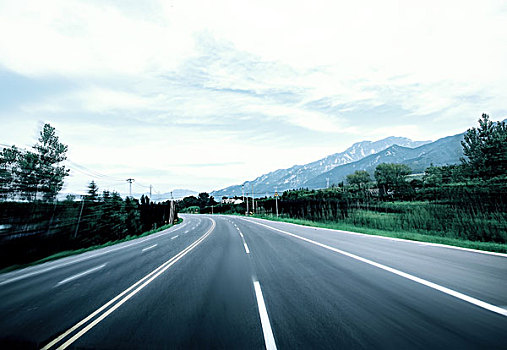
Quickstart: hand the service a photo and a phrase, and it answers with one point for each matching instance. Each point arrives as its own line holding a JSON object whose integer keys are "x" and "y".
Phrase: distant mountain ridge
{"x": 444, "y": 151}
{"x": 155, "y": 197}
{"x": 301, "y": 175}
{"x": 176, "y": 194}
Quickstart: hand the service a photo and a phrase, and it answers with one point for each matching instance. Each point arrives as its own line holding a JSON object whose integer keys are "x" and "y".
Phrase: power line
{"x": 145, "y": 186}
{"x": 110, "y": 181}
{"x": 91, "y": 172}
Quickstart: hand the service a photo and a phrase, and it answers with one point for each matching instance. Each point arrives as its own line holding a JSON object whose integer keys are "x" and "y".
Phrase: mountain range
{"x": 156, "y": 197}
{"x": 365, "y": 155}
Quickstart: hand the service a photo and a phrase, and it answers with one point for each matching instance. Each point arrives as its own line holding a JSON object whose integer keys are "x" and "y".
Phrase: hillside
{"x": 298, "y": 175}
{"x": 444, "y": 151}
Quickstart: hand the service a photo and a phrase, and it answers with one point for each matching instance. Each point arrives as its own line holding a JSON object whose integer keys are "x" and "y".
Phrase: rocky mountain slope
{"x": 299, "y": 175}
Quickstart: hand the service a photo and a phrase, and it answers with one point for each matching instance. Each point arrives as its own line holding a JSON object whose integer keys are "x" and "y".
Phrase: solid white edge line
{"x": 246, "y": 248}
{"x": 91, "y": 256}
{"x": 503, "y": 255}
{"x": 163, "y": 267}
{"x": 79, "y": 275}
{"x": 150, "y": 247}
{"x": 435, "y": 286}
{"x": 269, "y": 339}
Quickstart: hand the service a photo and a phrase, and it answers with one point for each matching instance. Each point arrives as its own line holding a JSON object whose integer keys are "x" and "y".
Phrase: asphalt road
{"x": 232, "y": 282}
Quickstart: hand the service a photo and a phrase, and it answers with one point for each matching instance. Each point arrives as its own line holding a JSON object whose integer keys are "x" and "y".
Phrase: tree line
{"x": 34, "y": 224}
{"x": 466, "y": 200}
{"x": 35, "y": 173}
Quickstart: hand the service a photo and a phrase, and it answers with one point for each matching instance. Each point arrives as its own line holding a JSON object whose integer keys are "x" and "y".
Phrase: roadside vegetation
{"x": 35, "y": 225}
{"x": 67, "y": 253}
{"x": 413, "y": 236}
{"x": 460, "y": 204}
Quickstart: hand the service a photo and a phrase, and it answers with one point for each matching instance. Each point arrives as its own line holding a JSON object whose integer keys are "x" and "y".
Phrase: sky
{"x": 207, "y": 94}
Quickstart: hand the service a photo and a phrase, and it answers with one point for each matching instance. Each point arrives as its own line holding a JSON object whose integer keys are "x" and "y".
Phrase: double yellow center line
{"x": 109, "y": 307}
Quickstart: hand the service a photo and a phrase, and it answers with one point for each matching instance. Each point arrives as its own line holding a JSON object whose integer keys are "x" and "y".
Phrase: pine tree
{"x": 27, "y": 175}
{"x": 50, "y": 153}
{"x": 8, "y": 159}
{"x": 93, "y": 192}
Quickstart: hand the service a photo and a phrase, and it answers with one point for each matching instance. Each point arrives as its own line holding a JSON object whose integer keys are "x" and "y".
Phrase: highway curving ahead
{"x": 243, "y": 283}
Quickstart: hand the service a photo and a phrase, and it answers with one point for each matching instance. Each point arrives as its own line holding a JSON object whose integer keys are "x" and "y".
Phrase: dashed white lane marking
{"x": 269, "y": 339}
{"x": 435, "y": 286}
{"x": 150, "y": 247}
{"x": 175, "y": 237}
{"x": 79, "y": 275}
{"x": 243, "y": 239}
{"x": 87, "y": 256}
{"x": 123, "y": 296}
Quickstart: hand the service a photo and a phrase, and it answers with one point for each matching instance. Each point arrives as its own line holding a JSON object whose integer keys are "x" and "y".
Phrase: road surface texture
{"x": 234, "y": 282}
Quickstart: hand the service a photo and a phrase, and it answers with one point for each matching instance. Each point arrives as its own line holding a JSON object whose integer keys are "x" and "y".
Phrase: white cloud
{"x": 232, "y": 74}
{"x": 78, "y": 38}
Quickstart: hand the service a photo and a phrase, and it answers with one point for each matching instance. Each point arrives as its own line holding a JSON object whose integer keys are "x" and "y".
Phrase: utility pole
{"x": 130, "y": 185}
{"x": 327, "y": 179}
{"x": 243, "y": 194}
{"x": 171, "y": 210}
{"x": 253, "y": 200}
{"x": 276, "y": 200}
{"x": 247, "y": 212}
{"x": 150, "y": 191}
{"x": 79, "y": 219}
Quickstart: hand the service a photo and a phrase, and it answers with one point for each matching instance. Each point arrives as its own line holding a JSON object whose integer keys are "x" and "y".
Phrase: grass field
{"x": 414, "y": 236}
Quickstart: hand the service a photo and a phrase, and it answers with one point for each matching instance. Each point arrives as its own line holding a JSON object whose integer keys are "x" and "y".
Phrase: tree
{"x": 27, "y": 175}
{"x": 359, "y": 177}
{"x": 435, "y": 176}
{"x": 93, "y": 192}
{"x": 8, "y": 162}
{"x": 485, "y": 149}
{"x": 132, "y": 217}
{"x": 391, "y": 176}
{"x": 203, "y": 199}
{"x": 50, "y": 152}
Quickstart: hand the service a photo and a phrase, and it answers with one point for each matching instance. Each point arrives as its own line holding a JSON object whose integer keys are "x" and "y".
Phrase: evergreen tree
{"x": 132, "y": 219}
{"x": 93, "y": 192}
{"x": 8, "y": 159}
{"x": 50, "y": 152}
{"x": 27, "y": 175}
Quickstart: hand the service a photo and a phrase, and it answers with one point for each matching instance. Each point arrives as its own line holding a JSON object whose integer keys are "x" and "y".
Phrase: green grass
{"x": 413, "y": 236}
{"x": 67, "y": 253}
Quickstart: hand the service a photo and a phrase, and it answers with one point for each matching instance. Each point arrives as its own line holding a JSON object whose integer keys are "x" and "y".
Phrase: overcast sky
{"x": 206, "y": 94}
